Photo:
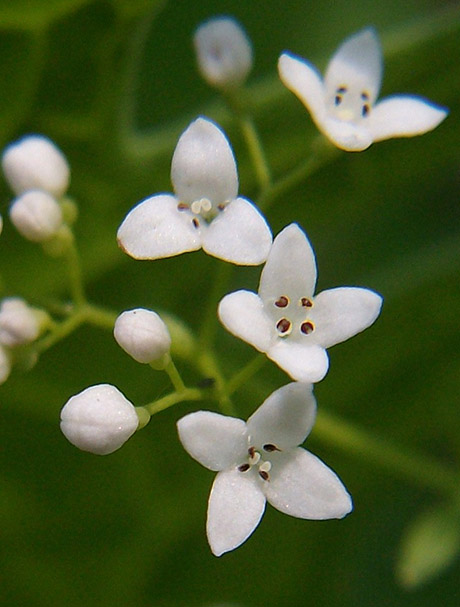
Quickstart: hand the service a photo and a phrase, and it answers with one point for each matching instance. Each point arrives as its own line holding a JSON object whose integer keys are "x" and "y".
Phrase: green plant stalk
{"x": 172, "y": 399}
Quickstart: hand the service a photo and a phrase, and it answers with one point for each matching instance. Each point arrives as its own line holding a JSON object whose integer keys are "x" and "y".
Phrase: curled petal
{"x": 357, "y": 64}
{"x": 303, "y": 363}
{"x": 341, "y": 313}
{"x": 239, "y": 234}
{"x": 303, "y": 486}
{"x": 214, "y": 440}
{"x": 285, "y": 418}
{"x": 404, "y": 116}
{"x": 203, "y": 165}
{"x": 155, "y": 228}
{"x": 242, "y": 313}
{"x": 235, "y": 507}
{"x": 290, "y": 268}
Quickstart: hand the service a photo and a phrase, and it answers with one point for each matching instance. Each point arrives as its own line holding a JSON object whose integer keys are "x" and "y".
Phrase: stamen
{"x": 366, "y": 109}
{"x": 342, "y": 89}
{"x": 282, "y": 302}
{"x": 182, "y": 206}
{"x": 270, "y": 448}
{"x": 254, "y": 459}
{"x": 307, "y": 327}
{"x": 265, "y": 467}
{"x": 195, "y": 222}
{"x": 365, "y": 96}
{"x": 221, "y": 206}
{"x": 251, "y": 451}
{"x": 306, "y": 303}
{"x": 264, "y": 475}
{"x": 284, "y": 327}
{"x": 244, "y": 467}
{"x": 338, "y": 99}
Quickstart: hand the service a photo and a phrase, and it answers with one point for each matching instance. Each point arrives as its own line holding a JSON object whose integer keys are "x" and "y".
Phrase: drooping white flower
{"x": 99, "y": 419}
{"x": 36, "y": 215}
{"x": 224, "y": 53}
{"x": 344, "y": 105}
{"x": 205, "y": 211}
{"x": 260, "y": 461}
{"x": 142, "y": 334}
{"x": 34, "y": 162}
{"x": 286, "y": 321}
{"x": 19, "y": 323}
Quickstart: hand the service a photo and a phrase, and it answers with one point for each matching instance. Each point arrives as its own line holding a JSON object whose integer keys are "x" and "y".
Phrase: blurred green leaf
{"x": 34, "y": 14}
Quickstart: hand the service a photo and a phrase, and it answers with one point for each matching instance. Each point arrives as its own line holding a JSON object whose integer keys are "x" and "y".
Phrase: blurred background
{"x": 114, "y": 83}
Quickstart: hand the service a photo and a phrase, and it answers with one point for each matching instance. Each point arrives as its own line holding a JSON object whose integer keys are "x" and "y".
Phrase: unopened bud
{"x": 19, "y": 323}
{"x": 142, "y": 334}
{"x": 99, "y": 420}
{"x": 224, "y": 53}
{"x": 36, "y": 163}
{"x": 36, "y": 215}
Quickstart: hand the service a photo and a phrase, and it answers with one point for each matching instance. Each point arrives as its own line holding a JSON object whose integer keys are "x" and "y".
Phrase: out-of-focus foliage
{"x": 114, "y": 83}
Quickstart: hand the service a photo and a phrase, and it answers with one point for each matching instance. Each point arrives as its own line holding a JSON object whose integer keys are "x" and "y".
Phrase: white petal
{"x": 242, "y": 313}
{"x": 304, "y": 80}
{"x": 285, "y": 418}
{"x": 303, "y": 363}
{"x": 404, "y": 116}
{"x": 203, "y": 165}
{"x": 357, "y": 64}
{"x": 302, "y": 486}
{"x": 348, "y": 136}
{"x": 239, "y": 234}
{"x": 290, "y": 269}
{"x": 214, "y": 440}
{"x": 341, "y": 313}
{"x": 155, "y": 228}
{"x": 235, "y": 507}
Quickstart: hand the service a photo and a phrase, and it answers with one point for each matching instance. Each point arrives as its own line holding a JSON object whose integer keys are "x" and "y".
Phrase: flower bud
{"x": 35, "y": 163}
{"x": 99, "y": 419}
{"x": 142, "y": 334}
{"x": 5, "y": 365}
{"x": 36, "y": 215}
{"x": 19, "y": 323}
{"x": 224, "y": 53}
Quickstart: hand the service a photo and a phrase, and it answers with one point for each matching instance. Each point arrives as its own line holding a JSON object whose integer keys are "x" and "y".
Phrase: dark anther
{"x": 182, "y": 206}
{"x": 366, "y": 109}
{"x": 251, "y": 451}
{"x": 195, "y": 222}
{"x": 206, "y": 382}
{"x": 270, "y": 448}
{"x": 306, "y": 303}
{"x": 307, "y": 327}
{"x": 342, "y": 89}
{"x": 283, "y": 325}
{"x": 282, "y": 302}
{"x": 221, "y": 206}
{"x": 338, "y": 99}
{"x": 264, "y": 475}
{"x": 365, "y": 96}
{"x": 244, "y": 467}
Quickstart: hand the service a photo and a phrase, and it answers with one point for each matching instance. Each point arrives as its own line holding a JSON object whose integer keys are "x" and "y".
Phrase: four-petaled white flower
{"x": 260, "y": 461}
{"x": 285, "y": 321}
{"x": 342, "y": 106}
{"x": 205, "y": 211}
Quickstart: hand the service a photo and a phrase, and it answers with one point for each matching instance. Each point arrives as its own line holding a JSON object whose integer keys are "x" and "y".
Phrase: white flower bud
{"x": 99, "y": 419}
{"x": 36, "y": 215}
{"x": 19, "y": 323}
{"x": 5, "y": 365}
{"x": 142, "y": 334}
{"x": 224, "y": 53}
{"x": 35, "y": 163}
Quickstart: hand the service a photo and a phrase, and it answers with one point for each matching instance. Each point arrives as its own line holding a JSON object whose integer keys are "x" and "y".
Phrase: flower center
{"x": 295, "y": 317}
{"x": 202, "y": 209}
{"x": 350, "y": 105}
{"x": 256, "y": 459}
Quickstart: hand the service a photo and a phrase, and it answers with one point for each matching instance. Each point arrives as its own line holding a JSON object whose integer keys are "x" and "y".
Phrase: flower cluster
{"x": 259, "y": 460}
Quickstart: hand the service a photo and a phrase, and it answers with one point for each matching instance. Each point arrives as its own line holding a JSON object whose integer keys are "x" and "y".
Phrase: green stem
{"x": 207, "y": 364}
{"x": 60, "y": 331}
{"x": 174, "y": 376}
{"x": 244, "y": 374}
{"x": 75, "y": 274}
{"x": 322, "y": 153}
{"x": 417, "y": 468}
{"x": 209, "y": 323}
{"x": 172, "y": 399}
{"x": 99, "y": 317}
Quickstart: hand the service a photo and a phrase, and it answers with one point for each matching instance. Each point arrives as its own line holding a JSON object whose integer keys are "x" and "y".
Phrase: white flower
{"x": 142, "y": 334}
{"x": 205, "y": 211}
{"x": 343, "y": 105}
{"x": 36, "y": 215}
{"x": 19, "y": 323}
{"x": 260, "y": 460}
{"x": 99, "y": 419}
{"x": 35, "y": 163}
{"x": 286, "y": 321}
{"x": 224, "y": 53}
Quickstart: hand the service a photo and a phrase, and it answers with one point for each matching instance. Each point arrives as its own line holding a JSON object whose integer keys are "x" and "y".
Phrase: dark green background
{"x": 114, "y": 83}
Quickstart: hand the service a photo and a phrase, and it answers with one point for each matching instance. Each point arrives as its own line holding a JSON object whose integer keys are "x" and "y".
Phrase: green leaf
{"x": 34, "y": 14}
